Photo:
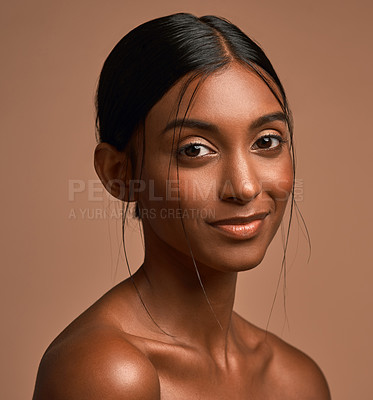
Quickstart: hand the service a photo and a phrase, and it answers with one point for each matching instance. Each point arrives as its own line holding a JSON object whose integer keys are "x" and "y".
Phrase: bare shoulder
{"x": 295, "y": 373}
{"x": 289, "y": 372}
{"x": 96, "y": 363}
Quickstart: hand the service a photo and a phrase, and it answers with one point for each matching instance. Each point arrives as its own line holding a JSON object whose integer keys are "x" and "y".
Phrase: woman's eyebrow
{"x": 265, "y": 119}
{"x": 207, "y": 126}
{"x": 190, "y": 123}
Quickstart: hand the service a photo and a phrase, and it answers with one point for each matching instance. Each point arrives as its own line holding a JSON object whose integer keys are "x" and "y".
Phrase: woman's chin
{"x": 233, "y": 262}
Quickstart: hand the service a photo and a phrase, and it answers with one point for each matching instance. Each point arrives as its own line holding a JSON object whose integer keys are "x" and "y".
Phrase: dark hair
{"x": 151, "y": 58}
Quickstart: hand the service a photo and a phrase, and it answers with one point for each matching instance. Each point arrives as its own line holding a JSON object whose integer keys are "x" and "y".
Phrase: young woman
{"x": 195, "y": 131}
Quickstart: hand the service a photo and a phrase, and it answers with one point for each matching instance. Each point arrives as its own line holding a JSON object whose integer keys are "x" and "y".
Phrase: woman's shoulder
{"x": 296, "y": 373}
{"x": 288, "y": 370}
{"x": 96, "y": 364}
{"x": 94, "y": 358}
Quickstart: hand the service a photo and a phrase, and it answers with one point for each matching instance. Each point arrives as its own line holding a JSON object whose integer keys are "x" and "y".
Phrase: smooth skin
{"x": 235, "y": 160}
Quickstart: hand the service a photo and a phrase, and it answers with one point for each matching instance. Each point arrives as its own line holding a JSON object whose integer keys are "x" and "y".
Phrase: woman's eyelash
{"x": 197, "y": 146}
{"x": 280, "y": 139}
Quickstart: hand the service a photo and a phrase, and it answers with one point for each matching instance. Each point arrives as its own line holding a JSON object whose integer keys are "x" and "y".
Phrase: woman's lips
{"x": 241, "y": 229}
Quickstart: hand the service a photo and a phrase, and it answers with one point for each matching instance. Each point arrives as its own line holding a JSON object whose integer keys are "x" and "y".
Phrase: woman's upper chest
{"x": 192, "y": 374}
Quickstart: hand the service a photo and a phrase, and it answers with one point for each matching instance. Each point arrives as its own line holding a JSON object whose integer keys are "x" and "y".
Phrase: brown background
{"x": 53, "y": 266}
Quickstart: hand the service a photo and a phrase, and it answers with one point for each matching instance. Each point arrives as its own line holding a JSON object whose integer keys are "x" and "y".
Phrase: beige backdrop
{"x": 59, "y": 254}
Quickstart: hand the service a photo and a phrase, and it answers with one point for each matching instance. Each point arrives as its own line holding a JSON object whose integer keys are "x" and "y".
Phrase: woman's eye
{"x": 269, "y": 142}
{"x": 193, "y": 150}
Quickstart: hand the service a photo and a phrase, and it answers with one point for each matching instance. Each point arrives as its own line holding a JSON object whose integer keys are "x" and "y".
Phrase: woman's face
{"x": 234, "y": 164}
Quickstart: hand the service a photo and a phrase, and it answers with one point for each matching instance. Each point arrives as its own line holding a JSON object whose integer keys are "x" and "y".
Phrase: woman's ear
{"x": 115, "y": 170}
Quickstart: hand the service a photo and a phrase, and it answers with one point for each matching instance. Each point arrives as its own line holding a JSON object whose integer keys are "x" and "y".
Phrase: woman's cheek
{"x": 160, "y": 192}
{"x": 277, "y": 180}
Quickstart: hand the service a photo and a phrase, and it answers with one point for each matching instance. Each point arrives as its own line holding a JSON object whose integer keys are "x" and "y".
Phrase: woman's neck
{"x": 170, "y": 288}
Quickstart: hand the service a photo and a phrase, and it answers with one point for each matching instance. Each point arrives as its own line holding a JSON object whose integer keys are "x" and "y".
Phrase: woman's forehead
{"x": 234, "y": 92}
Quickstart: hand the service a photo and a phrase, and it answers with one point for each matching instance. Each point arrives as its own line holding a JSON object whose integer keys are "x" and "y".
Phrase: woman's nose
{"x": 240, "y": 182}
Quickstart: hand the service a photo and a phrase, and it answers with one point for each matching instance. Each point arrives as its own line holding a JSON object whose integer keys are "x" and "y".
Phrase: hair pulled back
{"x": 151, "y": 58}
